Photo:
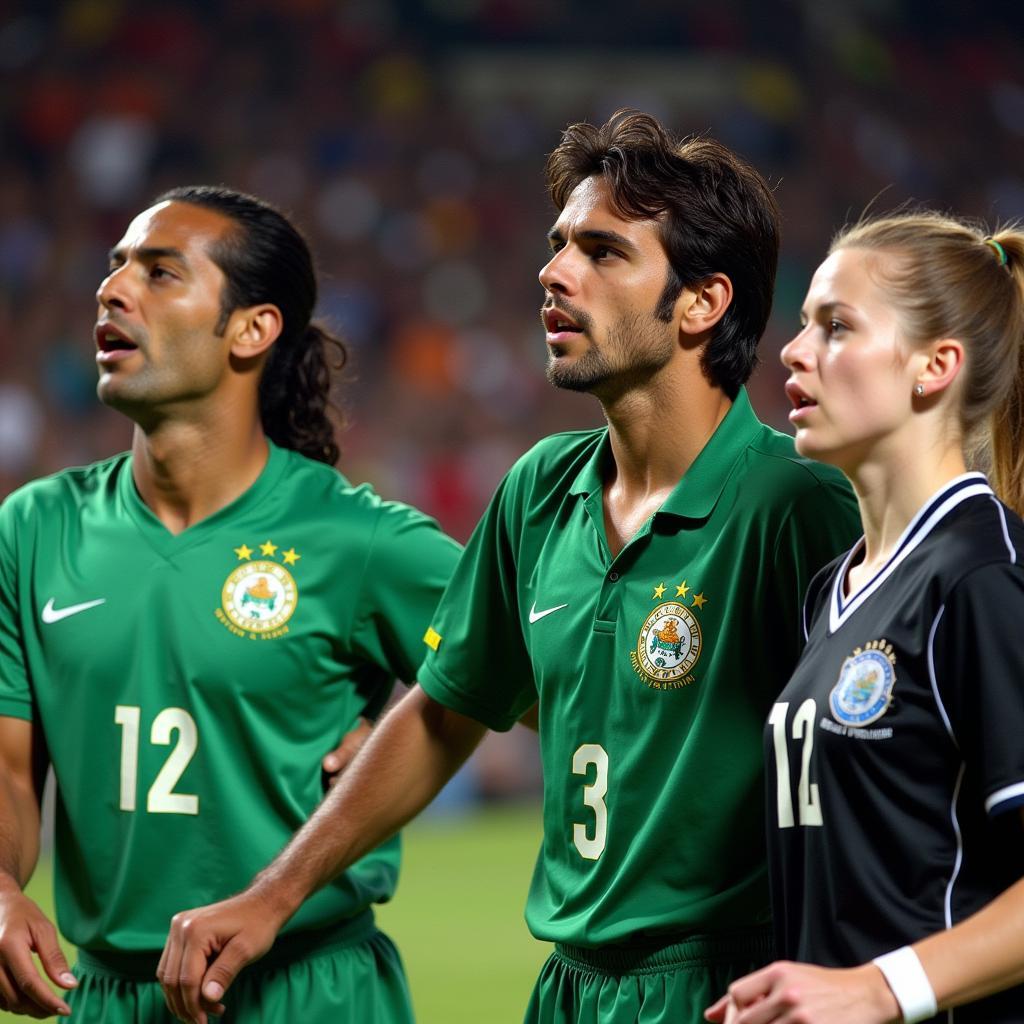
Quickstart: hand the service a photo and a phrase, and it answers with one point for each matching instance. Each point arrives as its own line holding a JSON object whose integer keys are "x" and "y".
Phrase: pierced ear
{"x": 705, "y": 304}
{"x": 254, "y": 330}
{"x": 945, "y": 361}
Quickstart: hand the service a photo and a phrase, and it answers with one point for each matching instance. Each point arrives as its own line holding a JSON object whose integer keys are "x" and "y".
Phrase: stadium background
{"x": 407, "y": 139}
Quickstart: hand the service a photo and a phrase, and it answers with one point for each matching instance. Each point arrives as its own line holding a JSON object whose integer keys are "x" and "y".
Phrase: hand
{"x": 341, "y": 756}
{"x": 24, "y": 929}
{"x": 725, "y": 1011}
{"x": 788, "y": 993}
{"x": 205, "y": 950}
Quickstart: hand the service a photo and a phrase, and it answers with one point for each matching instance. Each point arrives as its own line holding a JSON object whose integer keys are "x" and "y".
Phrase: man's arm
{"x": 415, "y": 750}
{"x": 24, "y": 928}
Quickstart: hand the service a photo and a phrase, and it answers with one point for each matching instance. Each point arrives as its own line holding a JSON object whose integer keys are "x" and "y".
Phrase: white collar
{"x": 940, "y": 504}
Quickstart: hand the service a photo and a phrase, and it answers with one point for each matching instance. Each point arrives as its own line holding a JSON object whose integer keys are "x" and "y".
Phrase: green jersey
{"x": 188, "y": 686}
{"x": 654, "y": 670}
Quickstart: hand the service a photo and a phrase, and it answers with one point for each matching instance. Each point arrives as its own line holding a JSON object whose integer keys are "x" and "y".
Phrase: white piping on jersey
{"x": 1017, "y": 789}
{"x": 931, "y": 675}
{"x": 959, "y": 859}
{"x": 1006, "y": 532}
{"x": 958, "y": 862}
{"x": 911, "y": 537}
{"x": 1006, "y": 793}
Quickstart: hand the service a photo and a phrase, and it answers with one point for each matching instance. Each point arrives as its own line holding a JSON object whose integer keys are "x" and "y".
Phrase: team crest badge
{"x": 260, "y": 596}
{"x": 670, "y": 641}
{"x": 864, "y": 690}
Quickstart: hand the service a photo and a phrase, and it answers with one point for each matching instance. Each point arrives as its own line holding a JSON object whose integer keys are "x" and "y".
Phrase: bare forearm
{"x": 979, "y": 956}
{"x": 19, "y": 802}
{"x": 412, "y": 753}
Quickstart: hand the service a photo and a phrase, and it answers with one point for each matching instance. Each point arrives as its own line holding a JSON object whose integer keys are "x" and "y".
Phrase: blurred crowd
{"x": 408, "y": 140}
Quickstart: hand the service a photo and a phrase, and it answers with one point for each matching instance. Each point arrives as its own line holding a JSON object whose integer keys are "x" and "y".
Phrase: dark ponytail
{"x": 267, "y": 261}
{"x": 295, "y": 395}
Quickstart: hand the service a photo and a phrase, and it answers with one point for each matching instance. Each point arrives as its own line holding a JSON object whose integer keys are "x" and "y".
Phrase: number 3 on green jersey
{"x": 161, "y": 798}
{"x": 591, "y": 847}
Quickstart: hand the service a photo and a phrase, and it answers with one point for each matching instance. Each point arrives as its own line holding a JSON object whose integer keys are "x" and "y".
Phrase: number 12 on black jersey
{"x": 808, "y": 803}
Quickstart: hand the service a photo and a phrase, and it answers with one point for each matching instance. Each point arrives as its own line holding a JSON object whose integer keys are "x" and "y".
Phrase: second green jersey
{"x": 188, "y": 686}
{"x": 654, "y": 670}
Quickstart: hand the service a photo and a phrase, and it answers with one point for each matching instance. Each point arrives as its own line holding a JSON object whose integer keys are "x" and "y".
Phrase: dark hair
{"x": 266, "y": 260}
{"x": 718, "y": 215}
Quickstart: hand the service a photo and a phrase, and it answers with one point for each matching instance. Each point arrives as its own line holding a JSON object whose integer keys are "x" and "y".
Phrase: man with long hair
{"x": 187, "y": 628}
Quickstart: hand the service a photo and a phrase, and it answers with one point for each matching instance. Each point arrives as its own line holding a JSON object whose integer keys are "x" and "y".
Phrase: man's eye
{"x": 836, "y": 326}
{"x": 159, "y": 272}
{"x": 602, "y": 252}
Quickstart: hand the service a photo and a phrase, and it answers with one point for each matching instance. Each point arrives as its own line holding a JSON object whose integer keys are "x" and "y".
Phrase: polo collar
{"x": 696, "y": 493}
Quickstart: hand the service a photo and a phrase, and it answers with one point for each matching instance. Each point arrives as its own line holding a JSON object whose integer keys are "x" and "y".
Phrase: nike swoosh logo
{"x": 51, "y": 614}
{"x": 536, "y": 615}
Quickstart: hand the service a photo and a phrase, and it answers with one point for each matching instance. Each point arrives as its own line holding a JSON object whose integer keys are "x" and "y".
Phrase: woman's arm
{"x": 979, "y": 956}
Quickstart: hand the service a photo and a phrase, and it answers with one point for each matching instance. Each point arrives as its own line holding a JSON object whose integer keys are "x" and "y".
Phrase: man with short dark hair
{"x": 640, "y": 583}
{"x": 187, "y": 628}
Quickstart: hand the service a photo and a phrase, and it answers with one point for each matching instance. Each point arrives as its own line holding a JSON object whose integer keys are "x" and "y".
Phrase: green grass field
{"x": 457, "y": 918}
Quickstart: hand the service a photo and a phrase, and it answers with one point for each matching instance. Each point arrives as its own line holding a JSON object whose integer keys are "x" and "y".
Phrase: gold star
{"x": 699, "y": 600}
{"x": 291, "y": 556}
{"x": 682, "y": 589}
{"x": 268, "y": 549}
{"x": 243, "y": 553}
{"x": 659, "y": 590}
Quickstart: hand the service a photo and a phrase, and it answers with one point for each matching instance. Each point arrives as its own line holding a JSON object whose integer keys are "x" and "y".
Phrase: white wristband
{"x": 909, "y": 984}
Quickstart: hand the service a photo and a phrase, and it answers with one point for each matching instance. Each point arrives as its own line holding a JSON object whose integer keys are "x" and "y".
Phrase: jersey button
{"x": 613, "y": 575}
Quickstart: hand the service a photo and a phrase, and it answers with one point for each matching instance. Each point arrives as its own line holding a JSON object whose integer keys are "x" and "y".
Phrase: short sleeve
{"x": 477, "y": 663}
{"x": 15, "y": 686}
{"x": 408, "y": 566}
{"x": 978, "y": 660}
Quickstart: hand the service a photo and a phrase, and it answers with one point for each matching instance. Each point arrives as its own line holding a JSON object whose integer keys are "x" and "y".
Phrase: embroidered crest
{"x": 668, "y": 647}
{"x": 259, "y": 597}
{"x": 863, "y": 692}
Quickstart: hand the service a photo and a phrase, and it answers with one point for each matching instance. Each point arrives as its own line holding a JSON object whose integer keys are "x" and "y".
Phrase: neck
{"x": 891, "y": 488}
{"x": 657, "y": 431}
{"x": 186, "y": 470}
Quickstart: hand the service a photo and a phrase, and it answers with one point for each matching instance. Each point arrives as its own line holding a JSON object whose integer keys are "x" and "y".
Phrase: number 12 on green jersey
{"x": 161, "y": 798}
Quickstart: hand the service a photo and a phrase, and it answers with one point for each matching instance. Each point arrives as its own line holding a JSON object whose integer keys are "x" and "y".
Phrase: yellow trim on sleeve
{"x": 432, "y": 638}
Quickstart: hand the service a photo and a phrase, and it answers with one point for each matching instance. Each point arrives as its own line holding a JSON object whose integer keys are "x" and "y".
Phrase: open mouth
{"x": 557, "y": 322}
{"x": 110, "y": 339}
{"x": 798, "y": 397}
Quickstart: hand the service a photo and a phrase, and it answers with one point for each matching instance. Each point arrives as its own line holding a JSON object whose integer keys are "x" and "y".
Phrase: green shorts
{"x": 671, "y": 984}
{"x": 350, "y": 974}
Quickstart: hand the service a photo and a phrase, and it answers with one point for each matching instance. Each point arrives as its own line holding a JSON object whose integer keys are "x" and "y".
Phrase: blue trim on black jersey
{"x": 1004, "y": 799}
{"x": 1006, "y": 805}
{"x": 968, "y": 485}
{"x": 1006, "y": 533}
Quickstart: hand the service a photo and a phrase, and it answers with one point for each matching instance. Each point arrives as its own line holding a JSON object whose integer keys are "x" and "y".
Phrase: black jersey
{"x": 897, "y": 747}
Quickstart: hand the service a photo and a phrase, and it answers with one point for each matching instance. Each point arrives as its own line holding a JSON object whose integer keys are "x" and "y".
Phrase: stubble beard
{"x": 638, "y": 347}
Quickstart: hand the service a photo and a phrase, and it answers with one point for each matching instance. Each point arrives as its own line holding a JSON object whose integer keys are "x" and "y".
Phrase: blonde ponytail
{"x": 948, "y": 278}
{"x": 1008, "y": 421}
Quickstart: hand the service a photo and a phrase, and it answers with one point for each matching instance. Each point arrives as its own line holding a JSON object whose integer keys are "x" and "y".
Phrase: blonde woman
{"x": 896, "y": 752}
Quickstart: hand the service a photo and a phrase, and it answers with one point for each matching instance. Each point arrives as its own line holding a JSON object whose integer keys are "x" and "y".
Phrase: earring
{"x": 919, "y": 390}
